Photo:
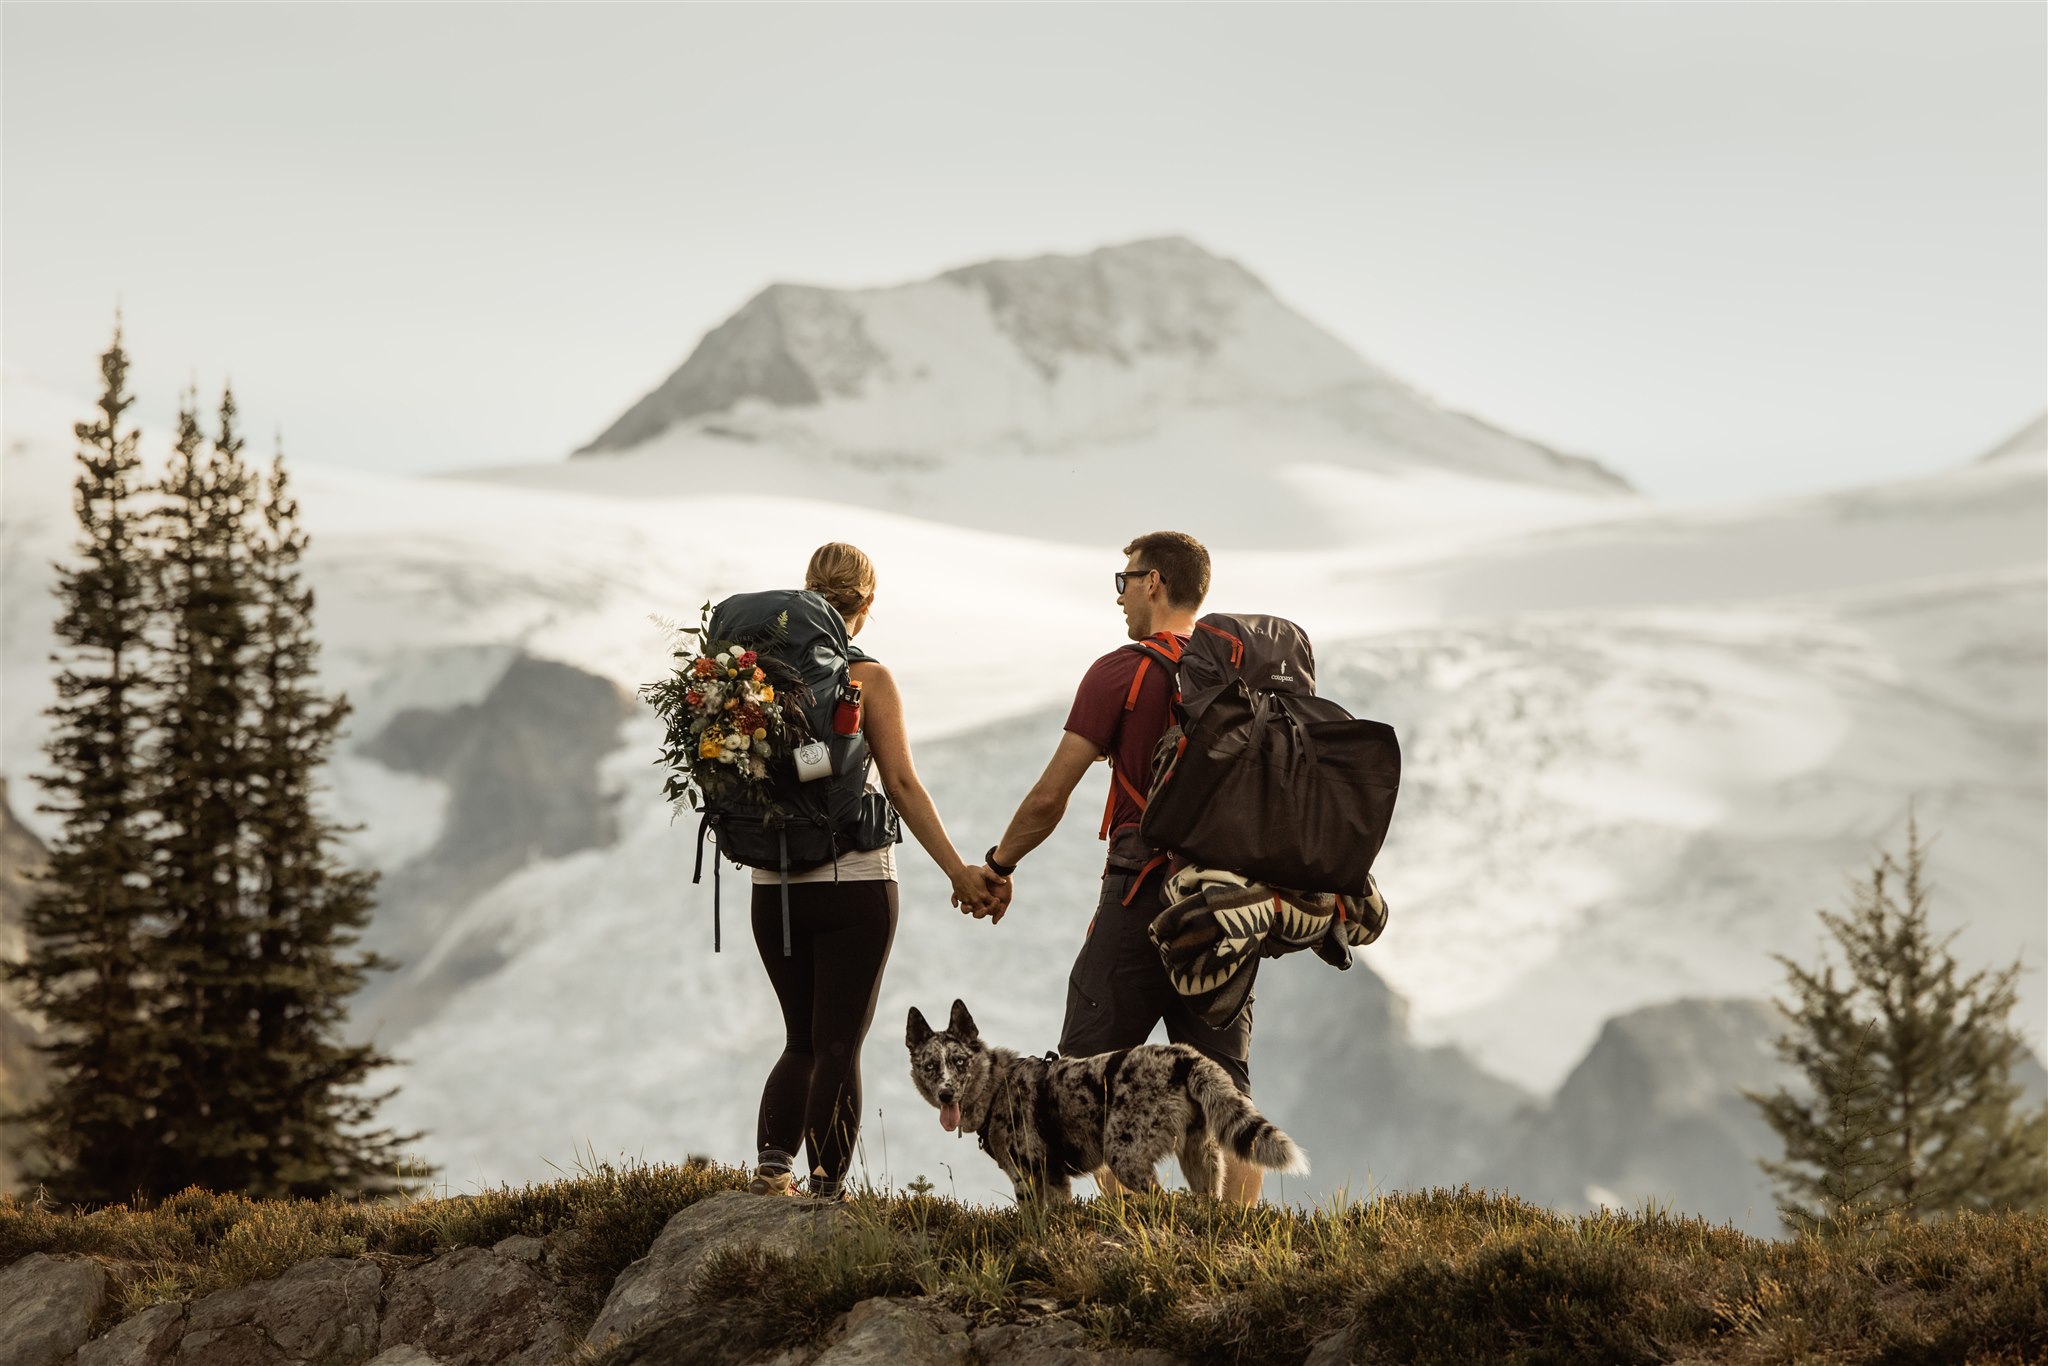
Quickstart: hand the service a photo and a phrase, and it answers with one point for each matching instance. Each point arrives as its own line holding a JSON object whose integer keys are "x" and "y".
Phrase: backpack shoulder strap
{"x": 1164, "y": 647}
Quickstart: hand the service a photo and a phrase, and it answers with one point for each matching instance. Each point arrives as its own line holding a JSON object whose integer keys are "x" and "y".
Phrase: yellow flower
{"x": 711, "y": 745}
{"x": 760, "y": 732}
{"x": 767, "y": 694}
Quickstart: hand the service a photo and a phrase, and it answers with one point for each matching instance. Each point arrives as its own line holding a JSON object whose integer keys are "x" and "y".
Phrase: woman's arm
{"x": 889, "y": 742}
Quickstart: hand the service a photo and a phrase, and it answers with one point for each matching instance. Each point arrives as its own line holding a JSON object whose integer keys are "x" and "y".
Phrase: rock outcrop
{"x": 658, "y": 1284}
{"x": 47, "y": 1307}
{"x": 505, "y": 1306}
{"x": 471, "y": 1307}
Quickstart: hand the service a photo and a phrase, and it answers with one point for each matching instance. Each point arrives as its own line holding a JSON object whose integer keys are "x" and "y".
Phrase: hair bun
{"x": 842, "y": 575}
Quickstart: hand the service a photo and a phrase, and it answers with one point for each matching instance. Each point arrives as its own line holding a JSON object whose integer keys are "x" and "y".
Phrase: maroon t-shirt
{"x": 1127, "y": 737}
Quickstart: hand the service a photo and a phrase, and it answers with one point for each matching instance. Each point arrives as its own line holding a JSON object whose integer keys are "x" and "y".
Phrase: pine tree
{"x": 310, "y": 908}
{"x": 206, "y": 952}
{"x": 94, "y": 1136}
{"x": 1908, "y": 1061}
{"x": 196, "y": 947}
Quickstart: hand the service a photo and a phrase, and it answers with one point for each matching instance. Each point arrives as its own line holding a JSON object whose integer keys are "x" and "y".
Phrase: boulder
{"x": 1057, "y": 1342}
{"x": 658, "y": 1285}
{"x": 1334, "y": 1350}
{"x": 477, "y": 1307}
{"x": 317, "y": 1312}
{"x": 148, "y": 1339}
{"x": 896, "y": 1333}
{"x": 47, "y": 1305}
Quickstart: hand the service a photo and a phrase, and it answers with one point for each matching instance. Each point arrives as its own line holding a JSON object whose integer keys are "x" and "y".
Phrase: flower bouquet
{"x": 724, "y": 722}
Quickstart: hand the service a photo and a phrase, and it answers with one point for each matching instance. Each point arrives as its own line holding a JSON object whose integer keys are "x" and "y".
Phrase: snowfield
{"x": 1642, "y": 746}
{"x": 1641, "y": 751}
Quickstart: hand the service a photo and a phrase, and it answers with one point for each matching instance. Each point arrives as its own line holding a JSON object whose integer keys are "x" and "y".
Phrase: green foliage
{"x": 89, "y": 977}
{"x": 195, "y": 949}
{"x": 1909, "y": 1103}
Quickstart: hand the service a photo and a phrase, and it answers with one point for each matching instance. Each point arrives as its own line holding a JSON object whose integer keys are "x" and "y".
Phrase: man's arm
{"x": 1042, "y": 807}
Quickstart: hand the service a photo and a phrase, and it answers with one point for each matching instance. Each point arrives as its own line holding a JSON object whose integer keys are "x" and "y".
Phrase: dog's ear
{"x": 962, "y": 1024}
{"x": 916, "y": 1031}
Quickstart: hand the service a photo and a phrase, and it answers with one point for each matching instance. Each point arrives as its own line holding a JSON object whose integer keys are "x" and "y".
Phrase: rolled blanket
{"x": 1215, "y": 922}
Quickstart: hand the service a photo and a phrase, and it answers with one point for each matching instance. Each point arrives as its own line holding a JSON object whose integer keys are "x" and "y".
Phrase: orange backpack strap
{"x": 1166, "y": 646}
{"x": 1236, "y": 645}
{"x": 1157, "y": 861}
{"x": 1137, "y": 682}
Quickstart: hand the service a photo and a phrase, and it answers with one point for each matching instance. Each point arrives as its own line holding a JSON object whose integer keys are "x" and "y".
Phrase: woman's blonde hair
{"x": 842, "y": 575}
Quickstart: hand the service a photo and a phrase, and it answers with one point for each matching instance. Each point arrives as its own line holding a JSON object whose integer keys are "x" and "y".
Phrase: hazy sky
{"x": 1729, "y": 250}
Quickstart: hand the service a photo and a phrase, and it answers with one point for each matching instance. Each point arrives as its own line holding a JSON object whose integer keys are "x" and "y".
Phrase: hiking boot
{"x": 769, "y": 1182}
{"x": 825, "y": 1188}
{"x": 772, "y": 1174}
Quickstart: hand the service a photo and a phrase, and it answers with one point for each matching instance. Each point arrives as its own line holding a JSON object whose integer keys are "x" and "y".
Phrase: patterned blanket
{"x": 1215, "y": 923}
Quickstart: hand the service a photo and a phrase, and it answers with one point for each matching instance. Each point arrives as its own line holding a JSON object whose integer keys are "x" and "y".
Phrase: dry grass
{"x": 1435, "y": 1276}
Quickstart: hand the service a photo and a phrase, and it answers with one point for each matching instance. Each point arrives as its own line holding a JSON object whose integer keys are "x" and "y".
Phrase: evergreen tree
{"x": 195, "y": 949}
{"x": 1912, "y": 1106}
{"x": 206, "y": 952}
{"x": 310, "y": 908}
{"x": 93, "y": 1138}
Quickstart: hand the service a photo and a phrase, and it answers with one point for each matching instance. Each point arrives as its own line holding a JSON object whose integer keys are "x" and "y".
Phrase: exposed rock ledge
{"x": 506, "y": 1306}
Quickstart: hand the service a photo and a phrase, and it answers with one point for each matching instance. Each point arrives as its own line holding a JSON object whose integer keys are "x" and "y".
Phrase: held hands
{"x": 980, "y": 893}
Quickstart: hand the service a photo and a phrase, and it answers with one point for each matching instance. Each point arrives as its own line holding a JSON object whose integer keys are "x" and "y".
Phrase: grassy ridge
{"x": 1436, "y": 1276}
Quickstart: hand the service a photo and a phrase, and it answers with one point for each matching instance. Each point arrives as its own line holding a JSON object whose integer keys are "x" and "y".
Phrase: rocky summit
{"x": 1056, "y": 356}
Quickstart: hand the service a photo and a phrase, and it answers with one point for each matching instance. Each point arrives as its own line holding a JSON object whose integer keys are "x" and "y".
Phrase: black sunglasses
{"x": 1124, "y": 577}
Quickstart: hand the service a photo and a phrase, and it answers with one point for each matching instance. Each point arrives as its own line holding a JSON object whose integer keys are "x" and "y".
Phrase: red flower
{"x": 704, "y": 668}
{"x": 746, "y": 661}
{"x": 694, "y": 698}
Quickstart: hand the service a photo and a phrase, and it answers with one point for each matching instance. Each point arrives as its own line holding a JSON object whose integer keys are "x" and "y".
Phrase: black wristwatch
{"x": 999, "y": 869}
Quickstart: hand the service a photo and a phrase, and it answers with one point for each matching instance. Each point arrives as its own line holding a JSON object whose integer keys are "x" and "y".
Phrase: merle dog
{"x": 1047, "y": 1120}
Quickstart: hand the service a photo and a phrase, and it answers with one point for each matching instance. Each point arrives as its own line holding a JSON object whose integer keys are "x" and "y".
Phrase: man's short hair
{"x": 1182, "y": 562}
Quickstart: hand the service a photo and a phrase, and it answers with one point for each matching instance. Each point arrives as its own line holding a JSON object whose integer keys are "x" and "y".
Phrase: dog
{"x": 1047, "y": 1120}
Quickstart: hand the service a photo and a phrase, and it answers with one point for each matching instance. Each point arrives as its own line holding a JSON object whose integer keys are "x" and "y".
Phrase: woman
{"x": 842, "y": 921}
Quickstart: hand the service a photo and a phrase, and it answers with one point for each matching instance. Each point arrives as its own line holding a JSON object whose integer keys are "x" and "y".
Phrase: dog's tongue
{"x": 949, "y": 1116}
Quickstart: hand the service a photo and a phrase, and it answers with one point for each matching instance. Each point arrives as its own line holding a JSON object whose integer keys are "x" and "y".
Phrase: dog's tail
{"x": 1237, "y": 1125}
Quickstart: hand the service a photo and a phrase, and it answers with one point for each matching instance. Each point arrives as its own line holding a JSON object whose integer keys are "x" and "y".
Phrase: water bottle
{"x": 846, "y": 711}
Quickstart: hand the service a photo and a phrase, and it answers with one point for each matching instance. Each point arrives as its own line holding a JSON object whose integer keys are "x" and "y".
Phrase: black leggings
{"x": 839, "y": 938}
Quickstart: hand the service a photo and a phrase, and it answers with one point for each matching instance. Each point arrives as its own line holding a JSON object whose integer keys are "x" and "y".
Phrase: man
{"x": 1119, "y": 989}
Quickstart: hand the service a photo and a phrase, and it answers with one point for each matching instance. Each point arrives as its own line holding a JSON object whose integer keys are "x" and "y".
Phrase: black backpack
{"x": 1258, "y": 775}
{"x": 802, "y": 645}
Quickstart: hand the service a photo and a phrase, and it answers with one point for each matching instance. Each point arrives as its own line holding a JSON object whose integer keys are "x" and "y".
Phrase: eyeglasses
{"x": 1124, "y": 576}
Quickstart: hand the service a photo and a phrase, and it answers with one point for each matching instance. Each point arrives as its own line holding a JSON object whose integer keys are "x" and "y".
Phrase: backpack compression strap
{"x": 1236, "y": 645}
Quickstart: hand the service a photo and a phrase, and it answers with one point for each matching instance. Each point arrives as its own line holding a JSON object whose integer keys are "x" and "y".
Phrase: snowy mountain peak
{"x": 1157, "y": 342}
{"x": 800, "y": 346}
{"x": 1161, "y": 296}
